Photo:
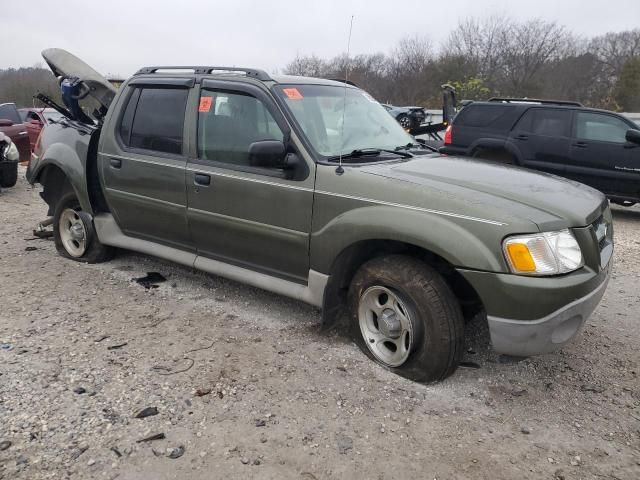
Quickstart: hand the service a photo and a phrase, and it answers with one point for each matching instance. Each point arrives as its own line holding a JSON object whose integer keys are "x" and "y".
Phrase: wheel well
{"x": 351, "y": 258}
{"x": 496, "y": 154}
{"x": 54, "y": 184}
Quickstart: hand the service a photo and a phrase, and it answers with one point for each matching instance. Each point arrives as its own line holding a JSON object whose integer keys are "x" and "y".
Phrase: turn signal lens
{"x": 521, "y": 258}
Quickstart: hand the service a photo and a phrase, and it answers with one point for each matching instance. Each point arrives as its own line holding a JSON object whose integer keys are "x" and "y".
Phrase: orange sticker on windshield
{"x": 292, "y": 93}
{"x": 205, "y": 104}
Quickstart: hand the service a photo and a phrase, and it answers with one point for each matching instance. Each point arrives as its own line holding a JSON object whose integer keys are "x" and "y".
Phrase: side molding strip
{"x": 110, "y": 234}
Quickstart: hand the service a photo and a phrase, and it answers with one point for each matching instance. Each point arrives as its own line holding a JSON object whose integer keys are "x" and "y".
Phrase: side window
{"x": 9, "y": 112}
{"x": 32, "y": 116}
{"x": 481, "y": 115}
{"x": 154, "y": 119}
{"x": 600, "y": 128}
{"x": 547, "y": 122}
{"x": 229, "y": 122}
{"x": 127, "y": 117}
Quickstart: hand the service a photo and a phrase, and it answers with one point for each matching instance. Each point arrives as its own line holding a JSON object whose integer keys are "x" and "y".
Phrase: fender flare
{"x": 66, "y": 159}
{"x": 438, "y": 233}
{"x": 496, "y": 144}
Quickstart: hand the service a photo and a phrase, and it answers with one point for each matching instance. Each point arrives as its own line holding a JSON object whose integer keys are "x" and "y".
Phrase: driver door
{"x": 252, "y": 217}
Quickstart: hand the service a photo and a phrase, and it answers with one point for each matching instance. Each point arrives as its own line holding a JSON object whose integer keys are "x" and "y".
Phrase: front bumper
{"x": 547, "y": 334}
{"x": 532, "y": 316}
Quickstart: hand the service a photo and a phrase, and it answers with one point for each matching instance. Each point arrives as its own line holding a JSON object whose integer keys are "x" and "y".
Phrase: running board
{"x": 110, "y": 234}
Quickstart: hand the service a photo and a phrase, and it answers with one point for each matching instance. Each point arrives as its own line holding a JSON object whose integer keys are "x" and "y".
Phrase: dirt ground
{"x": 246, "y": 386}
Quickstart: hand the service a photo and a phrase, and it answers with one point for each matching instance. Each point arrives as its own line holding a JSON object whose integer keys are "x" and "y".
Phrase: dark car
{"x": 36, "y": 119}
{"x": 407, "y": 117}
{"x": 8, "y": 162}
{"x": 11, "y": 124}
{"x": 595, "y": 147}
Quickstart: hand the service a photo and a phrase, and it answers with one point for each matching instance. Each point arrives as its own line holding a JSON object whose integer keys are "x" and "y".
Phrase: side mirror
{"x": 633, "y": 136}
{"x": 267, "y": 154}
{"x": 4, "y": 122}
{"x": 35, "y": 123}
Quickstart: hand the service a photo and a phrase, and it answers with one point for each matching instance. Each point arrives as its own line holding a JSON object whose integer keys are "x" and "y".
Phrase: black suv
{"x": 595, "y": 147}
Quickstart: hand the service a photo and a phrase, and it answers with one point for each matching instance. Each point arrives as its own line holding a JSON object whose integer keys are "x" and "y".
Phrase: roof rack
{"x": 535, "y": 100}
{"x": 250, "y": 72}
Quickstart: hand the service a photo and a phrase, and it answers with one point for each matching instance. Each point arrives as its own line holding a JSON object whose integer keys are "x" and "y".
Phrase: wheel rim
{"x": 72, "y": 233}
{"x": 386, "y": 325}
{"x": 405, "y": 122}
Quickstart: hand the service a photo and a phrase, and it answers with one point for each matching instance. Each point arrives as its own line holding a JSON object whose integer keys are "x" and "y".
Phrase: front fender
{"x": 71, "y": 161}
{"x": 478, "y": 248}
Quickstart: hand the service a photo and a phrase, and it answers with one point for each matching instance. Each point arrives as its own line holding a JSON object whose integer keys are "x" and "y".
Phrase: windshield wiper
{"x": 369, "y": 152}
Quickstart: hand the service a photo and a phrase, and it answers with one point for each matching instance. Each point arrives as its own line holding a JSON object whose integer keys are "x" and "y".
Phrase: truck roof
{"x": 253, "y": 73}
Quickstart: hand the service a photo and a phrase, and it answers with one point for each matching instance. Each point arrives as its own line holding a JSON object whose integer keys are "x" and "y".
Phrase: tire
{"x": 9, "y": 175}
{"x": 74, "y": 234}
{"x": 404, "y": 121}
{"x": 419, "y": 304}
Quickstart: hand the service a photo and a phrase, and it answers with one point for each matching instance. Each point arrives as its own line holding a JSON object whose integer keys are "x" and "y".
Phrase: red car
{"x": 36, "y": 119}
{"x": 11, "y": 124}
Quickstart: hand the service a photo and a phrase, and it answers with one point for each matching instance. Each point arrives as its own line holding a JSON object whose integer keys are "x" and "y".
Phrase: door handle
{"x": 202, "y": 179}
{"x": 522, "y": 137}
{"x": 580, "y": 145}
{"x": 115, "y": 162}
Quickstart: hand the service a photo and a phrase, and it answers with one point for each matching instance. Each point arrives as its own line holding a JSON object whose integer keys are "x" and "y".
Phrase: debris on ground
{"x": 175, "y": 452}
{"x": 147, "y": 412}
{"x": 150, "y": 280}
{"x": 150, "y": 438}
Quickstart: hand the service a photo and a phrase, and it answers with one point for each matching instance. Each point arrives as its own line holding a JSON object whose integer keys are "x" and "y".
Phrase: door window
{"x": 546, "y": 122}
{"x": 228, "y": 123}
{"x": 600, "y": 128}
{"x": 32, "y": 116}
{"x": 154, "y": 119}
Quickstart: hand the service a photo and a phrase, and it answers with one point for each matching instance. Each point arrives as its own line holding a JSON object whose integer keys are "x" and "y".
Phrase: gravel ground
{"x": 246, "y": 386}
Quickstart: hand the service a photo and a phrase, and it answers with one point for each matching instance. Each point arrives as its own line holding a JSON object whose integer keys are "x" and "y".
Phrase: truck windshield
{"x": 336, "y": 125}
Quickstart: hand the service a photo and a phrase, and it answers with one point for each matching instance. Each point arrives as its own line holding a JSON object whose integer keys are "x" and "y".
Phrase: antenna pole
{"x": 340, "y": 170}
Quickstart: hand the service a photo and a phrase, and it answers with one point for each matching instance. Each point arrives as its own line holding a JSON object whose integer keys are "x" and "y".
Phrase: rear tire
{"x": 74, "y": 234}
{"x": 9, "y": 175}
{"x": 405, "y": 317}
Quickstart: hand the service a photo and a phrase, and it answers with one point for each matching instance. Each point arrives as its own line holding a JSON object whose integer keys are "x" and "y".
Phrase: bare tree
{"x": 308, "y": 66}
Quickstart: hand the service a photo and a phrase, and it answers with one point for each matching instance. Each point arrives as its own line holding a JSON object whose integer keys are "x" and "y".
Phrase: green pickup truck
{"x": 308, "y": 188}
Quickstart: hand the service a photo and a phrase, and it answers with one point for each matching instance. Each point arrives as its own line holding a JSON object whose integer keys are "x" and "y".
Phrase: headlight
{"x": 548, "y": 253}
{"x": 11, "y": 152}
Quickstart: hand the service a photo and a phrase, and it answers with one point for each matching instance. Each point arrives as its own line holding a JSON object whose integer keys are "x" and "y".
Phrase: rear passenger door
{"x": 601, "y": 157}
{"x": 142, "y": 161}
{"x": 239, "y": 214}
{"x": 542, "y": 136}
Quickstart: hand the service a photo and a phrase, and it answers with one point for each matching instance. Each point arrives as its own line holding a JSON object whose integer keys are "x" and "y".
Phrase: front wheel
{"x": 74, "y": 234}
{"x": 406, "y": 318}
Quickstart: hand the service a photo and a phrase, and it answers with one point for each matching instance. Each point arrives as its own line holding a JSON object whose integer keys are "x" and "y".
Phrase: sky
{"x": 117, "y": 37}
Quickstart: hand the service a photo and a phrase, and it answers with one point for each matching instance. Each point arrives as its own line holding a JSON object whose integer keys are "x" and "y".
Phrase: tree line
{"x": 496, "y": 56}
{"x": 481, "y": 58}
{"x": 19, "y": 85}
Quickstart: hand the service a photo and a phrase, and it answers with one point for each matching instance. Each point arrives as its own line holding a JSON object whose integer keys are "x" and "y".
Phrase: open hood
{"x": 67, "y": 65}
